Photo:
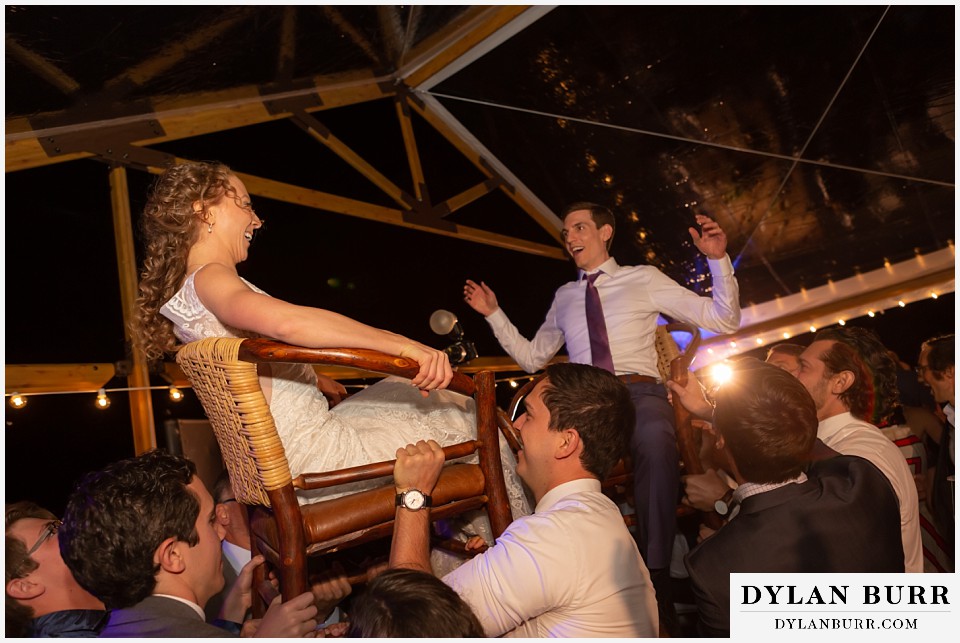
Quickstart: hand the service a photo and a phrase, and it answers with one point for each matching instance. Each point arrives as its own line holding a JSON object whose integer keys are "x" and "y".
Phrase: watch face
{"x": 413, "y": 499}
{"x": 721, "y": 507}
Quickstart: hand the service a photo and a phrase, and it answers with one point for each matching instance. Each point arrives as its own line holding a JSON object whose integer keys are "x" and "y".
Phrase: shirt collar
{"x": 949, "y": 412}
{"x": 236, "y": 556}
{"x": 196, "y": 608}
{"x": 559, "y": 492}
{"x": 609, "y": 267}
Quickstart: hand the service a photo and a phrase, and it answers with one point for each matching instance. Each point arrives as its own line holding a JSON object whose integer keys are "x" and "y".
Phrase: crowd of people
{"x": 815, "y": 436}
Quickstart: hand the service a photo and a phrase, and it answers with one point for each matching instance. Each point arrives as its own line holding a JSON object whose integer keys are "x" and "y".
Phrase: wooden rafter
{"x": 288, "y": 44}
{"x": 333, "y": 15}
{"x": 410, "y": 145}
{"x": 41, "y": 67}
{"x": 176, "y": 52}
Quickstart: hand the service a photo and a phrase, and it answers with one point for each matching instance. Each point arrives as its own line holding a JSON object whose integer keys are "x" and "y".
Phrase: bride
{"x": 198, "y": 224}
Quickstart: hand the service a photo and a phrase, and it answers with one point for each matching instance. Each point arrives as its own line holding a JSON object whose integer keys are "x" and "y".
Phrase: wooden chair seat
{"x": 223, "y": 372}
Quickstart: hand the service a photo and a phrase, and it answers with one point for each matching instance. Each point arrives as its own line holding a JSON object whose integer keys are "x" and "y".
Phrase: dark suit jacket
{"x": 844, "y": 518}
{"x": 159, "y": 616}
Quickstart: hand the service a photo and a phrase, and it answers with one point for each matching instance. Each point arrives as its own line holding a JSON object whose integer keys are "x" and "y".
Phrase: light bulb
{"x": 842, "y": 323}
{"x": 759, "y": 341}
{"x": 721, "y": 374}
{"x": 870, "y": 313}
{"x": 103, "y": 402}
{"x": 17, "y": 401}
{"x": 176, "y": 395}
{"x": 813, "y": 329}
{"x": 902, "y": 304}
{"x": 513, "y": 383}
{"x": 786, "y": 335}
{"x": 933, "y": 295}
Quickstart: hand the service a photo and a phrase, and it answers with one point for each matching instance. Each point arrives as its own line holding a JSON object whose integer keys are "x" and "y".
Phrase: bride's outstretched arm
{"x": 235, "y": 304}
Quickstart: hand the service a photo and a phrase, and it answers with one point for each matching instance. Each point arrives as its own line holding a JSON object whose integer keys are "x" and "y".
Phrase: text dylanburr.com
{"x": 843, "y": 606}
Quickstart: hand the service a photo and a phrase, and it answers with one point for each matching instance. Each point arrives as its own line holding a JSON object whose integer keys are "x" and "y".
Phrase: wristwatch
{"x": 724, "y": 505}
{"x": 414, "y": 500}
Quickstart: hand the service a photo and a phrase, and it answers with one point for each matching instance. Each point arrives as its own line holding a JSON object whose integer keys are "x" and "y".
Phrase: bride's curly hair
{"x": 170, "y": 227}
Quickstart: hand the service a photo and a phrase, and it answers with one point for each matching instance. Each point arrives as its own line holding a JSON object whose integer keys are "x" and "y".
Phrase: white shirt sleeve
{"x": 720, "y": 314}
{"x": 530, "y": 355}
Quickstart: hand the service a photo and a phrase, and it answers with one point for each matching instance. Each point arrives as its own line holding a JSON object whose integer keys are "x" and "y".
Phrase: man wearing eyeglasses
{"x": 43, "y": 597}
{"x": 232, "y": 518}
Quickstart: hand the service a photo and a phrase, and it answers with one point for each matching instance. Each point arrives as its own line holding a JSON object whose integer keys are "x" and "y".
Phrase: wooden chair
{"x": 672, "y": 363}
{"x": 223, "y": 372}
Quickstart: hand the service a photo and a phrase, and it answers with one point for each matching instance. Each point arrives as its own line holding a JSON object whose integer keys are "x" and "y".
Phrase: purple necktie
{"x": 596, "y": 327}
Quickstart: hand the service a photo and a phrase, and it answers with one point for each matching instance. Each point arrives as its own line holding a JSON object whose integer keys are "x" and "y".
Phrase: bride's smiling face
{"x": 235, "y": 220}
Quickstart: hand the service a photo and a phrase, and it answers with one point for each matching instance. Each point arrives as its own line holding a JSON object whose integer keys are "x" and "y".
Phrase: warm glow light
{"x": 759, "y": 341}
{"x": 17, "y": 401}
{"x": 842, "y": 323}
{"x": 870, "y": 313}
{"x": 813, "y": 329}
{"x": 710, "y": 350}
{"x": 176, "y": 395}
{"x": 733, "y": 344}
{"x": 720, "y": 374}
{"x": 786, "y": 335}
{"x": 513, "y": 383}
{"x": 934, "y": 295}
{"x": 103, "y": 402}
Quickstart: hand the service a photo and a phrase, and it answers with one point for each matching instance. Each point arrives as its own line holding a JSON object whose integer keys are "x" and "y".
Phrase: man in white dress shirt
{"x": 852, "y": 379}
{"x": 571, "y": 569}
{"x": 632, "y": 298}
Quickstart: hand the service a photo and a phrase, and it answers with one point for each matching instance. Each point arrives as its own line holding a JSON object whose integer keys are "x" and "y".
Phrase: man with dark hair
{"x": 408, "y": 603}
{"x": 43, "y": 598}
{"x": 852, "y": 379}
{"x": 788, "y": 520}
{"x": 571, "y": 569}
{"x": 608, "y": 318}
{"x": 142, "y": 536}
{"x": 232, "y": 518}
{"x": 785, "y": 356}
{"x": 936, "y": 369}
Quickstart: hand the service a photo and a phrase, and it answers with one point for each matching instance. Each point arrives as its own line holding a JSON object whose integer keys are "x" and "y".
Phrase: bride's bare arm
{"x": 226, "y": 296}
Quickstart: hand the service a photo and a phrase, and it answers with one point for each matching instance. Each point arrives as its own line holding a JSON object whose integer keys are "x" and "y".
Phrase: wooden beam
{"x": 354, "y": 34}
{"x": 444, "y": 47}
{"x": 324, "y": 136}
{"x": 469, "y": 195}
{"x": 41, "y": 67}
{"x": 184, "y": 116}
{"x": 324, "y": 201}
{"x": 176, "y": 52}
{"x": 141, "y": 406}
{"x": 287, "y": 57}
{"x": 56, "y": 378}
{"x": 410, "y": 145}
{"x": 470, "y": 149}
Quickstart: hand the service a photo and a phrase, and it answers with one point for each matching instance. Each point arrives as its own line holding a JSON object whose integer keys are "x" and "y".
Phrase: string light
{"x": 103, "y": 402}
{"x": 870, "y": 313}
{"x": 933, "y": 295}
{"x": 813, "y": 328}
{"x": 17, "y": 401}
{"x": 176, "y": 395}
{"x": 902, "y": 304}
{"x": 786, "y": 335}
{"x": 842, "y": 323}
{"x": 513, "y": 383}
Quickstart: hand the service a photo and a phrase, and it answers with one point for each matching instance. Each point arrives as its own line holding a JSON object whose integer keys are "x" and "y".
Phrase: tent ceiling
{"x": 821, "y": 137}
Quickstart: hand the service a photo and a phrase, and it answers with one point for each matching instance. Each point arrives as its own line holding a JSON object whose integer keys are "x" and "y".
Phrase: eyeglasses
{"x": 226, "y": 500}
{"x": 49, "y": 530}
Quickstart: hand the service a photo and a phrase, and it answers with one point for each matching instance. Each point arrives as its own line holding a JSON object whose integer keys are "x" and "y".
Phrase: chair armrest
{"x": 267, "y": 350}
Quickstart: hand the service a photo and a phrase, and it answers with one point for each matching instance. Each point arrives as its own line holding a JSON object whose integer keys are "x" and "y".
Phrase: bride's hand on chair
{"x": 435, "y": 370}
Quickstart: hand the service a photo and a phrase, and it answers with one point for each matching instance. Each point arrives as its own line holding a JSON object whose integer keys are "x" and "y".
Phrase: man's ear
{"x": 606, "y": 232}
{"x": 842, "y": 381}
{"x": 23, "y": 589}
{"x": 168, "y": 555}
{"x": 223, "y": 516}
{"x": 569, "y": 444}
{"x": 948, "y": 372}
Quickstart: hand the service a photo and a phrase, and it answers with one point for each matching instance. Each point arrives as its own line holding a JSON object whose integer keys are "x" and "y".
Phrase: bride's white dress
{"x": 368, "y": 426}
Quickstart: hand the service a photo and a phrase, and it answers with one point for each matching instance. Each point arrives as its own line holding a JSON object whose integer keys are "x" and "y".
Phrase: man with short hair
{"x": 852, "y": 379}
{"x": 936, "y": 369}
{"x": 788, "y": 519}
{"x": 619, "y": 336}
{"x": 785, "y": 356}
{"x": 571, "y": 569}
{"x": 142, "y": 536}
{"x": 43, "y": 599}
{"x": 232, "y": 518}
